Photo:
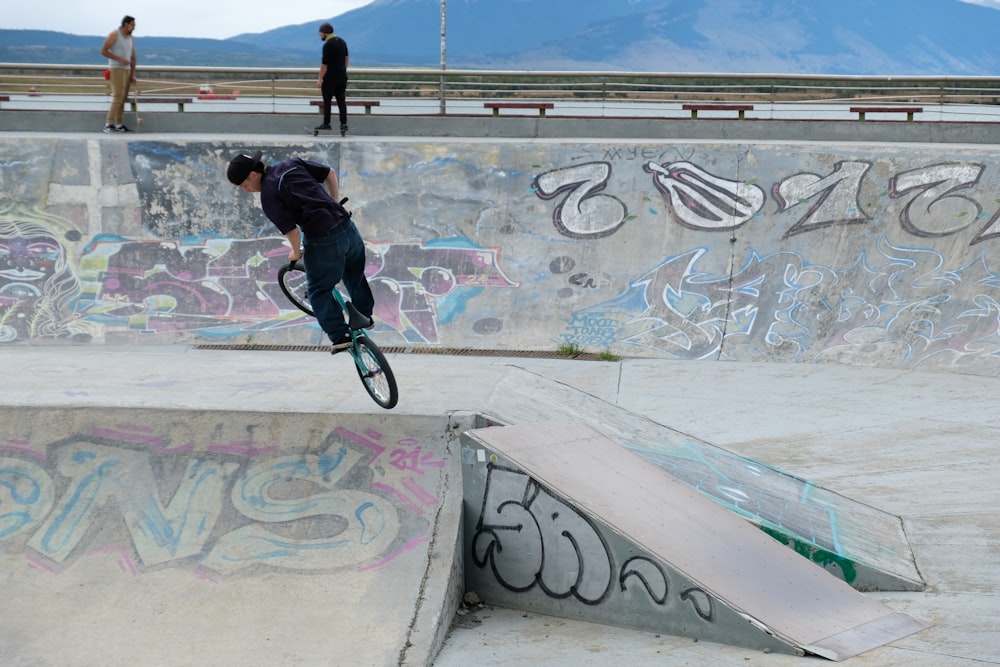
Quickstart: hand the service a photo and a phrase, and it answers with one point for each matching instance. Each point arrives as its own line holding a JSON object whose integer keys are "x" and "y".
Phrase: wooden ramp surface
{"x": 779, "y": 591}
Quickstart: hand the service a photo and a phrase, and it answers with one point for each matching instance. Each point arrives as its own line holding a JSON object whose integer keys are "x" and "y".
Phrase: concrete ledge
{"x": 551, "y": 127}
{"x": 443, "y": 584}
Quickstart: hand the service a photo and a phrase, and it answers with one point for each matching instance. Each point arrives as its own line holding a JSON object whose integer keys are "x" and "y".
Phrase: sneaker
{"x": 343, "y": 130}
{"x": 121, "y": 128}
{"x": 108, "y": 129}
{"x": 324, "y": 126}
{"x": 344, "y": 343}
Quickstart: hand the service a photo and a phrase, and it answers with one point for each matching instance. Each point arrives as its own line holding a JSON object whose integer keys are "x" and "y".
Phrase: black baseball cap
{"x": 241, "y": 166}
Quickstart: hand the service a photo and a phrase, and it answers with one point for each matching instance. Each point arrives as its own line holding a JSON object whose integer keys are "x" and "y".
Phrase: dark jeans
{"x": 338, "y": 256}
{"x": 334, "y": 88}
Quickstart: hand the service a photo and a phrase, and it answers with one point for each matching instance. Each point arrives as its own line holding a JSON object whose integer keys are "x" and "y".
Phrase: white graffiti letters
{"x": 937, "y": 199}
{"x": 584, "y": 213}
{"x": 701, "y": 200}
{"x": 836, "y": 197}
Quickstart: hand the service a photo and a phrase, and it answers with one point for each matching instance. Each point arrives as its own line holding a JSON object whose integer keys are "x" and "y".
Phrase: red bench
{"x": 909, "y": 111}
{"x": 367, "y": 104}
{"x": 540, "y": 106}
{"x": 740, "y": 108}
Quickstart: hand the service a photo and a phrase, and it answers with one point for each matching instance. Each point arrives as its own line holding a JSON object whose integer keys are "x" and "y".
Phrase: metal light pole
{"x": 443, "y": 32}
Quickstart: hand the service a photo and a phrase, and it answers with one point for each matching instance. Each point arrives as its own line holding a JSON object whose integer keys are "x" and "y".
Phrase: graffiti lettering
{"x": 808, "y": 312}
{"x": 645, "y": 153}
{"x": 305, "y": 512}
{"x": 701, "y": 200}
{"x": 663, "y": 309}
{"x": 985, "y": 234}
{"x": 263, "y": 496}
{"x": 836, "y": 197}
{"x": 159, "y": 533}
{"x": 701, "y": 601}
{"x": 583, "y": 213}
{"x": 530, "y": 538}
{"x": 938, "y": 202}
{"x": 650, "y": 574}
{"x": 588, "y": 281}
{"x": 26, "y": 496}
{"x": 223, "y": 285}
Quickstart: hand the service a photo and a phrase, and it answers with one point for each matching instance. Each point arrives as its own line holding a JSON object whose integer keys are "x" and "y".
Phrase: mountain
{"x": 874, "y": 37}
{"x": 44, "y": 46}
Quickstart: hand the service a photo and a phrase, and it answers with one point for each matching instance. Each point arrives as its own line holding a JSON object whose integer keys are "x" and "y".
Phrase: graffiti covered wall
{"x": 227, "y": 495}
{"x": 197, "y": 533}
{"x": 866, "y": 254}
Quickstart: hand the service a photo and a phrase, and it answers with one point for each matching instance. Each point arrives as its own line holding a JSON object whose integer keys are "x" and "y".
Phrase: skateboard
{"x": 315, "y": 132}
{"x": 135, "y": 105}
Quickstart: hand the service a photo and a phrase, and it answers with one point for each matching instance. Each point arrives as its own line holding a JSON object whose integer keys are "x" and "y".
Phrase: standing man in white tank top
{"x": 119, "y": 49}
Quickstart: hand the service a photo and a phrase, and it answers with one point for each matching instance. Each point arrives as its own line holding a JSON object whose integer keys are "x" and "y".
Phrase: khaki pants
{"x": 120, "y": 77}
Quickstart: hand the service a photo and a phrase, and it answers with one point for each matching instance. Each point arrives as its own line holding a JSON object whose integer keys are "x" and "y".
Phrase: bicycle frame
{"x": 372, "y": 367}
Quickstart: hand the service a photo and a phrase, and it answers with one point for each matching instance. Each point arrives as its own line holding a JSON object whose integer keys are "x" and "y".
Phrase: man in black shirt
{"x": 302, "y": 198}
{"x": 333, "y": 76}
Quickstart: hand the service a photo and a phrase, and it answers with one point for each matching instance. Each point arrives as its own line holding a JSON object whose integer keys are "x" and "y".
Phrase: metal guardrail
{"x": 284, "y": 89}
{"x": 426, "y": 83}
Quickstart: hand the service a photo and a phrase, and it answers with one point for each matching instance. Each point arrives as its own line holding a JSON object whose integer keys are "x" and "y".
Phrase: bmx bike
{"x": 371, "y": 364}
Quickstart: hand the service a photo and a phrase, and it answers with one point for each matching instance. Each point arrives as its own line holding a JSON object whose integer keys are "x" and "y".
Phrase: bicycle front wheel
{"x": 375, "y": 374}
{"x": 292, "y": 281}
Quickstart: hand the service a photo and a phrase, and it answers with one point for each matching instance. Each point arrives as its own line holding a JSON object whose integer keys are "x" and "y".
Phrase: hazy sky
{"x": 217, "y": 19}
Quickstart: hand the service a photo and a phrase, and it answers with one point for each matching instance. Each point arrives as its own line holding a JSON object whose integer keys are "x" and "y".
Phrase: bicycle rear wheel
{"x": 375, "y": 374}
{"x": 292, "y": 281}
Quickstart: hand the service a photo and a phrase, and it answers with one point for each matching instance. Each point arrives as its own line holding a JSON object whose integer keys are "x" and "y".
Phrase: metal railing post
{"x": 444, "y": 13}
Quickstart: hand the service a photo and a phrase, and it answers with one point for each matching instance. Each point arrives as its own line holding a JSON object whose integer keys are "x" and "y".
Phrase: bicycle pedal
{"x": 341, "y": 346}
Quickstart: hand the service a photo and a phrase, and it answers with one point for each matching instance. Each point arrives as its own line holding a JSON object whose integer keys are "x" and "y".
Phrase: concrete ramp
{"x": 181, "y": 537}
{"x": 560, "y": 519}
{"x": 862, "y": 545}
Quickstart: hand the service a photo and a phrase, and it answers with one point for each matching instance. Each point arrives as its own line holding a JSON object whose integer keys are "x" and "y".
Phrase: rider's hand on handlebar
{"x": 294, "y": 255}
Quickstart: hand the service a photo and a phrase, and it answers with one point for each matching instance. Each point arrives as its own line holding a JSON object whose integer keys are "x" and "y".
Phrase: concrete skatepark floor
{"x": 921, "y": 445}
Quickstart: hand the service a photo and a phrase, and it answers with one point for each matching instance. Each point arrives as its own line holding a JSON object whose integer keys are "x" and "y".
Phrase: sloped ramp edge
{"x": 866, "y": 637}
{"x": 780, "y": 593}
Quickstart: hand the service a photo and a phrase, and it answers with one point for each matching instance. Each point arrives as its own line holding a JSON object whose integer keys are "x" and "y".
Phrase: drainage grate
{"x": 447, "y": 351}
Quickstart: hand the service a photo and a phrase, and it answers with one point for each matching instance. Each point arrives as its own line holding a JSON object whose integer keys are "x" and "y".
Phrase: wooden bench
{"x": 740, "y": 108}
{"x": 909, "y": 111}
{"x": 540, "y": 106}
{"x": 367, "y": 104}
{"x": 179, "y": 101}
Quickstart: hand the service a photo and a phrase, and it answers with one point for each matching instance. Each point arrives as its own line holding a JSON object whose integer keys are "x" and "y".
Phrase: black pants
{"x": 334, "y": 88}
{"x": 340, "y": 255}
